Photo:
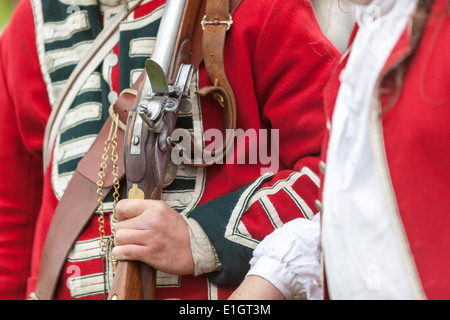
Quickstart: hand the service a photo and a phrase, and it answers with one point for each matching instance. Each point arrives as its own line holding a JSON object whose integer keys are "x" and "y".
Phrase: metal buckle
{"x": 217, "y": 22}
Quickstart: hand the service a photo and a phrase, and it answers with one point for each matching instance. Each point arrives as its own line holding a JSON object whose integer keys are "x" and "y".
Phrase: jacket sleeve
{"x": 24, "y": 110}
{"x": 292, "y": 62}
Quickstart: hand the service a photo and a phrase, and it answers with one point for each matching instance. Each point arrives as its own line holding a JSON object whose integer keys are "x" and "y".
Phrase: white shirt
{"x": 362, "y": 259}
{"x": 290, "y": 259}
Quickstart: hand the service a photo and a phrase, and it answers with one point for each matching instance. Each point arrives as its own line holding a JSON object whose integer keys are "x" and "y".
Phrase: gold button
{"x": 318, "y": 205}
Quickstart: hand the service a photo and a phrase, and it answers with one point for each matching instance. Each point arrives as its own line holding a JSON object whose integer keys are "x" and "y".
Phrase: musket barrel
{"x": 167, "y": 34}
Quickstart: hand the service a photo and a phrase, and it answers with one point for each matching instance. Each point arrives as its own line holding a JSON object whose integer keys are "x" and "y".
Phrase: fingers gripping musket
{"x": 149, "y": 128}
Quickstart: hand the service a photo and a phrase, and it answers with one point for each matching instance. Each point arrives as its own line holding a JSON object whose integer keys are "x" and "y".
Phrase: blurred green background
{"x": 6, "y": 9}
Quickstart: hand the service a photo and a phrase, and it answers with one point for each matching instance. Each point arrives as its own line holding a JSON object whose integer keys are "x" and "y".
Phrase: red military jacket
{"x": 412, "y": 146}
{"x": 277, "y": 62}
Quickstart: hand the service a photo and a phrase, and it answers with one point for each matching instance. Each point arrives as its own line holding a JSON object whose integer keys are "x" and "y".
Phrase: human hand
{"x": 152, "y": 232}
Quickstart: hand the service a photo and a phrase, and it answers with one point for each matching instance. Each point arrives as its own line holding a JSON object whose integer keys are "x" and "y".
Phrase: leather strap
{"x": 216, "y": 23}
{"x": 71, "y": 214}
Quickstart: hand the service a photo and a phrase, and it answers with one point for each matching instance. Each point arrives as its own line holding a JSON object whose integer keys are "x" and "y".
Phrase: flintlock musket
{"x": 149, "y": 128}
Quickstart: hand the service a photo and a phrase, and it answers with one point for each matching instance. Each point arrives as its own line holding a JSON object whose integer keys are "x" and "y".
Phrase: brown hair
{"x": 419, "y": 22}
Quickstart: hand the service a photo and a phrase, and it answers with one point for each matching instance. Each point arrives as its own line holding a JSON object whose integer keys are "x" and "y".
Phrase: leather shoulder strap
{"x": 71, "y": 214}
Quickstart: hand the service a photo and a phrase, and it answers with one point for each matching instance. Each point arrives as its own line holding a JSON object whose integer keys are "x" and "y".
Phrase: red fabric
{"x": 416, "y": 134}
{"x": 277, "y": 64}
{"x": 25, "y": 109}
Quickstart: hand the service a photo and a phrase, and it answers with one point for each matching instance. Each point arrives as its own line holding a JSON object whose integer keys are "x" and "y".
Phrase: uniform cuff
{"x": 203, "y": 253}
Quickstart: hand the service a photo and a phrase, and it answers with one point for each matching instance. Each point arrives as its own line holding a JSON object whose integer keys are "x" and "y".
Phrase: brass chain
{"x": 111, "y": 142}
{"x": 116, "y": 194}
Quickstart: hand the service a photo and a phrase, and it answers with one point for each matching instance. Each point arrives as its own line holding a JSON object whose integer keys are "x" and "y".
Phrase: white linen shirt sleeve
{"x": 290, "y": 259}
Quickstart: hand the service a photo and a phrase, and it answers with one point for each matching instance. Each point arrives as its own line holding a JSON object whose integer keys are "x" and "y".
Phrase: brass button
{"x": 318, "y": 205}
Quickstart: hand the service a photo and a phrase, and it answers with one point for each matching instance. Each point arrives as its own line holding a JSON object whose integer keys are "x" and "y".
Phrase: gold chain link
{"x": 110, "y": 142}
{"x": 116, "y": 194}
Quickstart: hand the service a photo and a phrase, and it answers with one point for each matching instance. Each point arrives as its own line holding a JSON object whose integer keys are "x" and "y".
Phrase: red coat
{"x": 413, "y": 144}
{"x": 277, "y": 62}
